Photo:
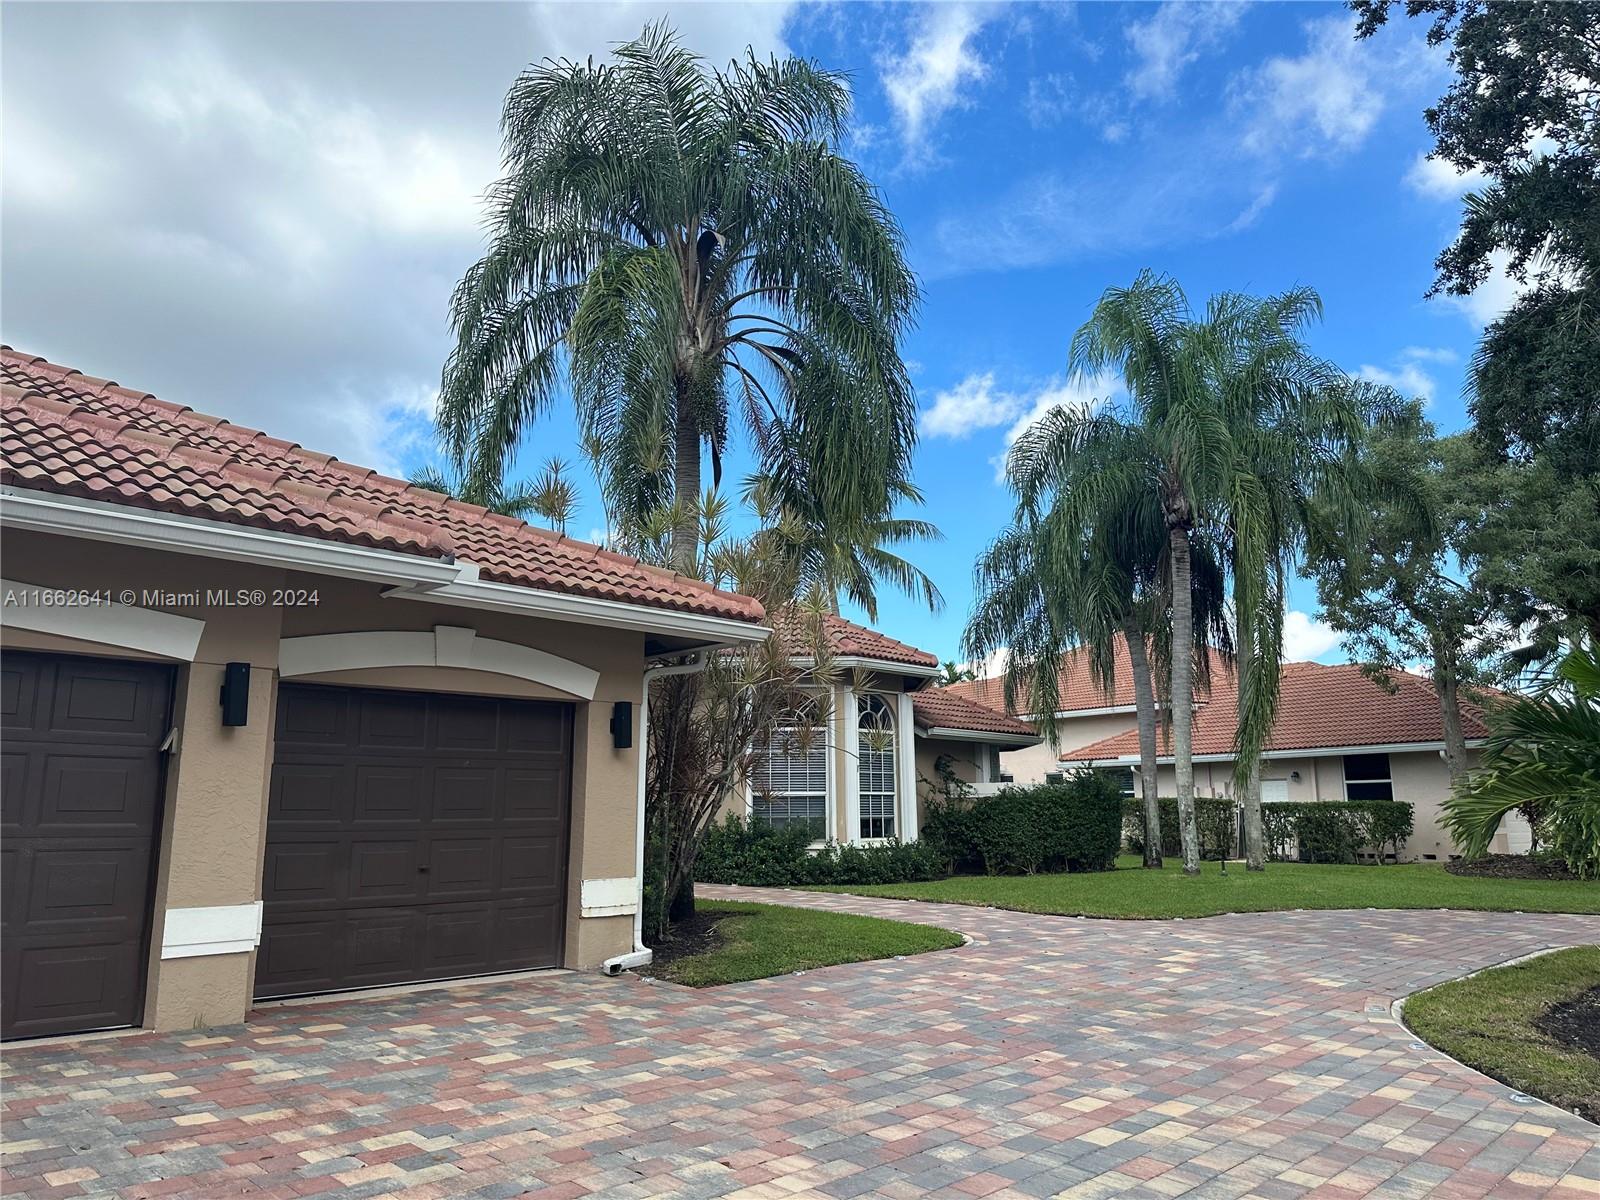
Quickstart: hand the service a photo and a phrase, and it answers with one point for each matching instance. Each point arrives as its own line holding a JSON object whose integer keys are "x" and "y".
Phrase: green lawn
{"x": 763, "y": 939}
{"x": 1487, "y": 1022}
{"x": 1131, "y": 891}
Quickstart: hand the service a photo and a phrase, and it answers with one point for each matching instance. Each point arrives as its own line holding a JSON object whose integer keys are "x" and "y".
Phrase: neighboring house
{"x": 1337, "y": 736}
{"x": 854, "y": 776}
{"x": 276, "y": 725}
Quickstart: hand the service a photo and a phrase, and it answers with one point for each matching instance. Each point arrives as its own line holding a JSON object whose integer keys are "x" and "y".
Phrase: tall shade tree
{"x": 1294, "y": 427}
{"x": 687, "y": 249}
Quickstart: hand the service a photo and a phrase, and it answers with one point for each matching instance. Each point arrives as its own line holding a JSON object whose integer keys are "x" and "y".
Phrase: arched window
{"x": 789, "y": 776}
{"x": 876, "y": 765}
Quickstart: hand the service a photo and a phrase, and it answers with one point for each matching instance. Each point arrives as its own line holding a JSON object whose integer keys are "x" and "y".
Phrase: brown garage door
{"x": 81, "y": 795}
{"x": 412, "y": 836}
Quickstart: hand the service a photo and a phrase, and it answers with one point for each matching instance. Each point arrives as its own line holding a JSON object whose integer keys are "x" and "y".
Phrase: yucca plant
{"x": 1542, "y": 755}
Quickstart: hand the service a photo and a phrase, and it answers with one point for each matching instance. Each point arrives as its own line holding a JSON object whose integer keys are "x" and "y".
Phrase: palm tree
{"x": 954, "y": 672}
{"x": 551, "y": 497}
{"x": 1295, "y": 430}
{"x": 671, "y": 237}
{"x": 1062, "y": 579}
{"x": 1170, "y": 449}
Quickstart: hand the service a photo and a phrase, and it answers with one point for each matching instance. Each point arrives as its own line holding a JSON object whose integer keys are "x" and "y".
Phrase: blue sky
{"x": 259, "y": 210}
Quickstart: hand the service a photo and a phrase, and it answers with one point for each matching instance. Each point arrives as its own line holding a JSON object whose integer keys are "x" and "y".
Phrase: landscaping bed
{"x": 1132, "y": 892}
{"x": 729, "y": 941}
{"x": 1534, "y": 1026}
{"x": 1511, "y": 866}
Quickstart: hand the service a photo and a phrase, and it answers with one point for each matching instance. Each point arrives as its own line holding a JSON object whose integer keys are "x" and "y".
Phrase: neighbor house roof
{"x": 941, "y": 708}
{"x": 69, "y": 433}
{"x": 846, "y": 639}
{"x": 1318, "y": 706}
{"x": 1076, "y": 689}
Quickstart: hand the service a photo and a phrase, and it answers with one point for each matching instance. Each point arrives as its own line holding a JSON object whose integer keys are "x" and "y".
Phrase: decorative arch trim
{"x": 123, "y": 626}
{"x": 446, "y": 646}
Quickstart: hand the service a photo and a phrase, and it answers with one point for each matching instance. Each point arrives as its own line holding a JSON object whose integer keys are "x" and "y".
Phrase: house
{"x": 1337, "y": 736}
{"x": 860, "y": 773}
{"x": 276, "y": 725}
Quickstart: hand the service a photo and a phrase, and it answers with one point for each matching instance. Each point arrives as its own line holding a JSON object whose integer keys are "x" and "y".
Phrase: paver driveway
{"x": 1234, "y": 1056}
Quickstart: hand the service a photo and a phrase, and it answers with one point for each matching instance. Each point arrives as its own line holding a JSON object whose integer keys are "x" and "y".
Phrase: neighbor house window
{"x": 876, "y": 765}
{"x": 789, "y": 781}
{"x": 1366, "y": 777}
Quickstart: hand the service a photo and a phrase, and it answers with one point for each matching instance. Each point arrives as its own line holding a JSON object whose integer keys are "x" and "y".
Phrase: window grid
{"x": 876, "y": 769}
{"x": 789, "y": 782}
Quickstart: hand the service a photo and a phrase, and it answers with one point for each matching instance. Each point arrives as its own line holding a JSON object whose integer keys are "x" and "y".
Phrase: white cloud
{"x": 1306, "y": 638}
{"x": 1174, "y": 37}
{"x": 1325, "y": 101}
{"x": 1436, "y": 354}
{"x": 1407, "y": 379}
{"x": 974, "y": 403}
{"x": 1440, "y": 180}
{"x": 926, "y": 81}
{"x": 720, "y": 32}
{"x": 1493, "y": 296}
{"x": 1252, "y": 212}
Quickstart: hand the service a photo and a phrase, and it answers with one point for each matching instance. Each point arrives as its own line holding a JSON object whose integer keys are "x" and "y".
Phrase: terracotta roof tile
{"x": 1075, "y": 686}
{"x": 942, "y": 708}
{"x": 1318, "y": 705}
{"x": 70, "y": 433}
{"x": 846, "y": 639}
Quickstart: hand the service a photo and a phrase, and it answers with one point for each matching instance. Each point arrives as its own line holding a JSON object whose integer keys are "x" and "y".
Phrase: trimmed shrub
{"x": 736, "y": 851}
{"x": 1337, "y": 831}
{"x": 1216, "y": 821}
{"x": 1071, "y": 826}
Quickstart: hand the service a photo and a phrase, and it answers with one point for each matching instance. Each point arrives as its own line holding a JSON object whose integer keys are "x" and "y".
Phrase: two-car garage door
{"x": 412, "y": 836}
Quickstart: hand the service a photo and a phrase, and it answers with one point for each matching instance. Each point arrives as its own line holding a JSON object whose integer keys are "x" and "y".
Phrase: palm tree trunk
{"x": 1455, "y": 742}
{"x": 1144, "y": 703}
{"x": 1183, "y": 695}
{"x": 686, "y": 481}
{"x": 1247, "y": 771}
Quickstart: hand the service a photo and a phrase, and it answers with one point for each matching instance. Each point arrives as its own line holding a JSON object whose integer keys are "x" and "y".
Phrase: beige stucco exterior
{"x": 213, "y": 830}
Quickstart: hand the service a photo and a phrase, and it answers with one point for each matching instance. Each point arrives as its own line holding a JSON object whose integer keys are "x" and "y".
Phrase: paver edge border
{"x": 1397, "y": 1009}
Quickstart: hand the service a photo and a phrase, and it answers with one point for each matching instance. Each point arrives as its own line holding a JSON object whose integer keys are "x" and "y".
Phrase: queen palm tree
{"x": 689, "y": 249}
{"x": 1295, "y": 427}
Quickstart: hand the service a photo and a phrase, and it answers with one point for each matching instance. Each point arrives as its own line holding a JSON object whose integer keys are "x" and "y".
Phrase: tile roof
{"x": 846, "y": 639}
{"x": 69, "y": 433}
{"x": 941, "y": 708}
{"x": 1076, "y": 689}
{"x": 1318, "y": 706}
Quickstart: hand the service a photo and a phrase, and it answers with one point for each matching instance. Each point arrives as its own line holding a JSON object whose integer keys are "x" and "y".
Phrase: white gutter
{"x": 411, "y": 576}
{"x": 1318, "y": 752}
{"x": 642, "y": 954}
{"x": 883, "y": 665}
{"x": 974, "y": 735}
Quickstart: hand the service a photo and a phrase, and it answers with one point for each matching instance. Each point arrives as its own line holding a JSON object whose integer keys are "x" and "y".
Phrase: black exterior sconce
{"x": 622, "y": 724}
{"x": 236, "y": 693}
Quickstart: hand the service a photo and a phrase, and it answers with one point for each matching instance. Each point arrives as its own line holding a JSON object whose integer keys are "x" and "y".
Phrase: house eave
{"x": 976, "y": 735}
{"x": 1132, "y": 760}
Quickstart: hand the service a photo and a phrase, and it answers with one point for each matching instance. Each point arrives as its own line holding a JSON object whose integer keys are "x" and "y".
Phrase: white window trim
{"x": 1346, "y": 781}
{"x": 446, "y": 646}
{"x": 896, "y": 769}
{"x": 827, "y": 790}
{"x": 123, "y": 626}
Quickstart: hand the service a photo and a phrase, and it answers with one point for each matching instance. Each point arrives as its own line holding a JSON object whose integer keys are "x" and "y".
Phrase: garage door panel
{"x": 309, "y": 794}
{"x": 82, "y": 787}
{"x": 465, "y": 794}
{"x": 424, "y": 857}
{"x": 313, "y": 716}
{"x": 537, "y": 796}
{"x": 392, "y": 720}
{"x": 305, "y": 870}
{"x": 390, "y": 795}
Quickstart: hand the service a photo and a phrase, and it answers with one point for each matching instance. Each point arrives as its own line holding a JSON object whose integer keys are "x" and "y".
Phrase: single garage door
{"x": 412, "y": 836}
{"x": 81, "y": 796}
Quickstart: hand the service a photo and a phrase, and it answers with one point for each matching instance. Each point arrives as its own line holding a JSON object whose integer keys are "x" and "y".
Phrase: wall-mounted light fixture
{"x": 622, "y": 724}
{"x": 236, "y": 693}
{"x": 1295, "y": 775}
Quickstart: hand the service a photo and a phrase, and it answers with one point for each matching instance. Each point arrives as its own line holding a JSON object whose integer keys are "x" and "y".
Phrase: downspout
{"x": 642, "y": 954}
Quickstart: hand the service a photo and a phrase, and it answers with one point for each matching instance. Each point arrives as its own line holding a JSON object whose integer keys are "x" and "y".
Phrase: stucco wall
{"x": 214, "y": 823}
{"x": 1031, "y": 764}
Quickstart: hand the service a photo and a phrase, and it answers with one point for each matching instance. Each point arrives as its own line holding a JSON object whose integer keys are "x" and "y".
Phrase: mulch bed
{"x": 1575, "y": 1022}
{"x": 685, "y": 939}
{"x": 1510, "y": 866}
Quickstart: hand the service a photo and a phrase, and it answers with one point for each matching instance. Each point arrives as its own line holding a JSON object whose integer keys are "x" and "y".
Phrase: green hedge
{"x": 1072, "y": 826}
{"x": 737, "y": 851}
{"x": 1336, "y": 831}
{"x": 1215, "y": 820}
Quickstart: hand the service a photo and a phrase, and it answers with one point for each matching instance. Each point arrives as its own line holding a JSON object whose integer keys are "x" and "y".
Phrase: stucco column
{"x": 849, "y": 764}
{"x": 906, "y": 769}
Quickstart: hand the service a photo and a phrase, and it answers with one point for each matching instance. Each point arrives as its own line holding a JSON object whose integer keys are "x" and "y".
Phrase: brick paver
{"x": 1242, "y": 1056}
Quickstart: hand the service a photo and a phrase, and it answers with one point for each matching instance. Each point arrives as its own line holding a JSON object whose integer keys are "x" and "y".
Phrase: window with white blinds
{"x": 789, "y": 779}
{"x": 876, "y": 767}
